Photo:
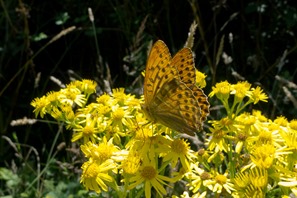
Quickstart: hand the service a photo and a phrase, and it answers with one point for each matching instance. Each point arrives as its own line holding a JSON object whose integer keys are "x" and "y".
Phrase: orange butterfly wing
{"x": 170, "y": 93}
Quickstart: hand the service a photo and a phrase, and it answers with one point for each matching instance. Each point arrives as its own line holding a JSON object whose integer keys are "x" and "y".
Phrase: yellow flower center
{"x": 223, "y": 87}
{"x": 88, "y": 130}
{"x": 226, "y": 121}
{"x": 218, "y": 134}
{"x": 240, "y": 93}
{"x": 179, "y": 146}
{"x": 88, "y": 86}
{"x": 242, "y": 137}
{"x": 148, "y": 172}
{"x": 265, "y": 137}
{"x": 201, "y": 152}
{"x": 92, "y": 171}
{"x": 221, "y": 179}
{"x": 118, "y": 114}
{"x": 103, "y": 99}
{"x": 105, "y": 110}
{"x": 205, "y": 176}
{"x": 241, "y": 89}
{"x": 104, "y": 152}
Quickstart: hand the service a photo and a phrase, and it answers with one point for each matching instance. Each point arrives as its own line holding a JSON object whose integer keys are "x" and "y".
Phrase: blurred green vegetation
{"x": 259, "y": 36}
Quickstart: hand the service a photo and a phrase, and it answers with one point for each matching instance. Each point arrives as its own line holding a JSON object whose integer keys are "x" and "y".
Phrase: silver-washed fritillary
{"x": 171, "y": 96}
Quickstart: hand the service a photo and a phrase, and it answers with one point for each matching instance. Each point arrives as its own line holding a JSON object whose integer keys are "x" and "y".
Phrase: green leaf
{"x": 12, "y": 180}
{"x": 63, "y": 18}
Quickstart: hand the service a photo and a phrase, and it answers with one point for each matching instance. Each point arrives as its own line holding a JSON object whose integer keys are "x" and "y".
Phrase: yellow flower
{"x": 290, "y": 137}
{"x": 257, "y": 95}
{"x": 221, "y": 90}
{"x": 217, "y": 142}
{"x": 259, "y": 116}
{"x": 259, "y": 177}
{"x": 240, "y": 90}
{"x": 251, "y": 183}
{"x": 57, "y": 114}
{"x": 219, "y": 182}
{"x": 99, "y": 152}
{"x": 226, "y": 124}
{"x": 246, "y": 119}
{"x": 249, "y": 191}
{"x": 281, "y": 121}
{"x": 202, "y": 155}
{"x": 194, "y": 177}
{"x": 200, "y": 79}
{"x": 132, "y": 163}
{"x": 119, "y": 115}
{"x": 119, "y": 95}
{"x": 265, "y": 137}
{"x": 179, "y": 149}
{"x": 68, "y": 116}
{"x": 71, "y": 94}
{"x": 40, "y": 105}
{"x": 252, "y": 191}
{"x": 241, "y": 180}
{"x": 293, "y": 124}
{"x": 265, "y": 133}
{"x": 86, "y": 131}
{"x": 153, "y": 146}
{"x": 151, "y": 177}
{"x": 87, "y": 86}
{"x": 267, "y": 151}
{"x": 263, "y": 155}
{"x": 53, "y": 98}
{"x": 141, "y": 136}
{"x": 106, "y": 100}
{"x": 95, "y": 176}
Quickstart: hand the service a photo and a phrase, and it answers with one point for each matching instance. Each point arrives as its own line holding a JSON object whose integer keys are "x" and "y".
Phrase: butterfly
{"x": 171, "y": 96}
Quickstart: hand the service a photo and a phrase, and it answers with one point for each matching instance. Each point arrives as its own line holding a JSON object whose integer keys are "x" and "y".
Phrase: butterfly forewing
{"x": 158, "y": 70}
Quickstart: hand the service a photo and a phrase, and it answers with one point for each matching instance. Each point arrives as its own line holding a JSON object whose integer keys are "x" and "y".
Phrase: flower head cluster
{"x": 258, "y": 150}
{"x": 245, "y": 154}
{"x": 117, "y": 140}
{"x": 243, "y": 95}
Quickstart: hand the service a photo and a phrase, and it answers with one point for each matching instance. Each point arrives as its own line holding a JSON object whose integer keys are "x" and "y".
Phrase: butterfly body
{"x": 171, "y": 96}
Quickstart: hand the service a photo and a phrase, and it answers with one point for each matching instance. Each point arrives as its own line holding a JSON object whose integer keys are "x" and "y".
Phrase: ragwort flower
{"x": 95, "y": 176}
{"x": 179, "y": 149}
{"x": 150, "y": 176}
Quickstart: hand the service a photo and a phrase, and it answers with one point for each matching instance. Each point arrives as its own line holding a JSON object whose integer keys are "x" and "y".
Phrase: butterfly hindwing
{"x": 184, "y": 62}
{"x": 180, "y": 111}
{"x": 158, "y": 70}
{"x": 202, "y": 102}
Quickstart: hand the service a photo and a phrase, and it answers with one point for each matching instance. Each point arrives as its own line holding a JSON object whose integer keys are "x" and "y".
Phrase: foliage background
{"x": 264, "y": 45}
